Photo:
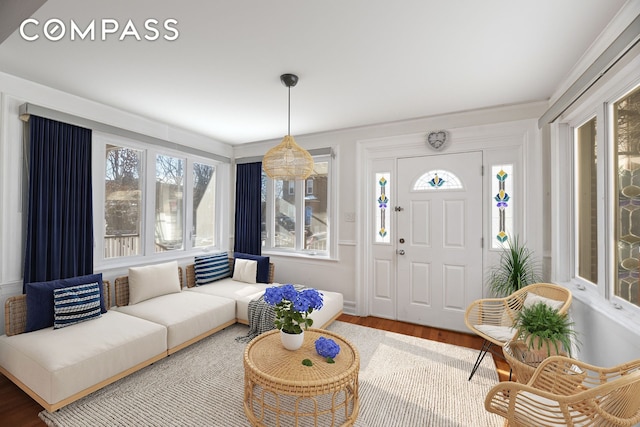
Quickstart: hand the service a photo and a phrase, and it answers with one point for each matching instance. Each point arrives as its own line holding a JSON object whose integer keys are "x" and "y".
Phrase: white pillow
{"x": 245, "y": 270}
{"x": 532, "y": 299}
{"x": 152, "y": 281}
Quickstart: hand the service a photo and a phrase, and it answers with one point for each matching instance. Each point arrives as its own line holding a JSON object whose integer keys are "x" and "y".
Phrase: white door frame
{"x": 517, "y": 142}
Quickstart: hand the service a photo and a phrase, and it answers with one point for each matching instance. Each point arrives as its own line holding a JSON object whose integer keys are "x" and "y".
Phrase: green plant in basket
{"x": 544, "y": 328}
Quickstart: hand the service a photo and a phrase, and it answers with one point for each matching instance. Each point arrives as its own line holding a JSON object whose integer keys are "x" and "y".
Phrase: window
{"x": 626, "y": 130}
{"x": 296, "y": 215}
{"x": 122, "y": 201}
{"x": 169, "y": 216}
{"x": 437, "y": 179}
{"x": 502, "y": 204}
{"x": 617, "y": 184}
{"x": 153, "y": 201}
{"x": 204, "y": 206}
{"x": 587, "y": 208}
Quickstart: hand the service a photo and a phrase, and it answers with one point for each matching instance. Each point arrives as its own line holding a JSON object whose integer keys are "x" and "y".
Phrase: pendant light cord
{"x": 289, "y": 114}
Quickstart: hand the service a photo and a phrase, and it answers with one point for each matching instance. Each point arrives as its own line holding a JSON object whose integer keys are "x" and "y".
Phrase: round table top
{"x": 266, "y": 356}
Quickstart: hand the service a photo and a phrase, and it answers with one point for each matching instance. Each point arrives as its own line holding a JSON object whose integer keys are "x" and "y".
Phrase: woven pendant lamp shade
{"x": 287, "y": 161}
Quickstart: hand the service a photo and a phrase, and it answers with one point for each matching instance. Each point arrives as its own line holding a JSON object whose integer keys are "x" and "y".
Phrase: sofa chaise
{"x": 243, "y": 293}
{"x": 58, "y": 366}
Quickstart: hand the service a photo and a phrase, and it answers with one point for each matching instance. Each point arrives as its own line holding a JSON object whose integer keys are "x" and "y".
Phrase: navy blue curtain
{"x": 248, "y": 227}
{"x": 59, "y": 229}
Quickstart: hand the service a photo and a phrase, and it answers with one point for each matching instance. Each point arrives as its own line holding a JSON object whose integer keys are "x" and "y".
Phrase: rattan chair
{"x": 567, "y": 392}
{"x": 493, "y": 318}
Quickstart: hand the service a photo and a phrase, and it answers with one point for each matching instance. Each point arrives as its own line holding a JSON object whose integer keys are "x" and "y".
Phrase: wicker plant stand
{"x": 522, "y": 360}
{"x": 280, "y": 391}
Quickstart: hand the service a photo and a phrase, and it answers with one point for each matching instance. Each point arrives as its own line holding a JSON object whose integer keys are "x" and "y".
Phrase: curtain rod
{"x": 611, "y": 55}
{"x": 27, "y": 110}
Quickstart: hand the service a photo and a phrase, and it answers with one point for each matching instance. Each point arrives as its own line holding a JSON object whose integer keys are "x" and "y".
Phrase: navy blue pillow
{"x": 40, "y": 299}
{"x": 263, "y": 265}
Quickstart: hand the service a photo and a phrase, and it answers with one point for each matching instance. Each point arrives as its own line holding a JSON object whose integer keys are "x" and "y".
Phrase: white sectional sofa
{"x": 154, "y": 317}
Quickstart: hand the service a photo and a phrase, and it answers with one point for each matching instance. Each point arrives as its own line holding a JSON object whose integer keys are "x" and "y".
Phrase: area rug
{"x": 403, "y": 381}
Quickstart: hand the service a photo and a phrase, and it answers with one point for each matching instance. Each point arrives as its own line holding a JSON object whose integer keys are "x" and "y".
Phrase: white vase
{"x": 291, "y": 341}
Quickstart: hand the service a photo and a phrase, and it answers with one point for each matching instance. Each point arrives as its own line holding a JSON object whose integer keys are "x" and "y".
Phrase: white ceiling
{"x": 360, "y": 62}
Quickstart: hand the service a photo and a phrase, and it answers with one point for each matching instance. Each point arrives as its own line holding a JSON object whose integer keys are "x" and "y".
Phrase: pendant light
{"x": 288, "y": 161}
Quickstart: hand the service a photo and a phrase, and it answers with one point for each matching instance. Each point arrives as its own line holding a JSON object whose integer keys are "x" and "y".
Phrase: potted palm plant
{"x": 517, "y": 268}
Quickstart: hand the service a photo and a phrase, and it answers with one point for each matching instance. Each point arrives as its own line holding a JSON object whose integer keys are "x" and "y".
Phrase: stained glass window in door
{"x": 439, "y": 179}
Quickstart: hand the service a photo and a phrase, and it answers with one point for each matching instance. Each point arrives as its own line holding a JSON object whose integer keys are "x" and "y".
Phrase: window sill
{"x": 293, "y": 254}
{"x": 627, "y": 315}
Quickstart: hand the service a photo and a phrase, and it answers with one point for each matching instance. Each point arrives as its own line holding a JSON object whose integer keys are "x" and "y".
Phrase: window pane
{"x": 315, "y": 208}
{"x": 626, "y": 126}
{"x": 169, "y": 206}
{"x": 285, "y": 207}
{"x": 382, "y": 205}
{"x": 122, "y": 201}
{"x": 587, "y": 212}
{"x": 437, "y": 179}
{"x": 204, "y": 197}
{"x": 263, "y": 206}
{"x": 502, "y": 210}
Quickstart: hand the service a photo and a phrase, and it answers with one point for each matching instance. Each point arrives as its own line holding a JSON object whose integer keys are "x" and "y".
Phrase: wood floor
{"x": 17, "y": 409}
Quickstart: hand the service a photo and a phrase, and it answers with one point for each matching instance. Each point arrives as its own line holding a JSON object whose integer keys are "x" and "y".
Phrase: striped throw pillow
{"x": 209, "y": 268}
{"x": 76, "y": 304}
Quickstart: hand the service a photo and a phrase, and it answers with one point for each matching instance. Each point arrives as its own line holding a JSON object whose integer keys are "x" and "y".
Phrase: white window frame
{"x": 300, "y": 192}
{"x": 597, "y": 103}
{"x": 148, "y": 171}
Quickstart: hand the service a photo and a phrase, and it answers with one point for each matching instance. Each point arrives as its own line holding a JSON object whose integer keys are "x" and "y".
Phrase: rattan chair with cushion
{"x": 567, "y": 392}
{"x": 493, "y": 318}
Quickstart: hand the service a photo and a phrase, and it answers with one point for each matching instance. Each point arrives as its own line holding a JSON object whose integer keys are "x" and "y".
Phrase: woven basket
{"x": 522, "y": 360}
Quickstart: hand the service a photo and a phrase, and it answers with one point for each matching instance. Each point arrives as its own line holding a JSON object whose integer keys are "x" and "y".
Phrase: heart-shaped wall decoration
{"x": 437, "y": 139}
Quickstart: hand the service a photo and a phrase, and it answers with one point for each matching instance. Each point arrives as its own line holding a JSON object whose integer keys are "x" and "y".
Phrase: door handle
{"x": 400, "y": 251}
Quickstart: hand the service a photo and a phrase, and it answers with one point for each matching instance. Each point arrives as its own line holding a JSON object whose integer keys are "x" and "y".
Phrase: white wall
{"x": 342, "y": 274}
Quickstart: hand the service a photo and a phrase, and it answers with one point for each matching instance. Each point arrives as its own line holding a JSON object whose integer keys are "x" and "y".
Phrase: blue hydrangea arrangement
{"x": 292, "y": 307}
{"x": 327, "y": 348}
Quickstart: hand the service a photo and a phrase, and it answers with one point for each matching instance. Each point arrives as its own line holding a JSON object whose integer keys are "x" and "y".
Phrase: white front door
{"x": 439, "y": 240}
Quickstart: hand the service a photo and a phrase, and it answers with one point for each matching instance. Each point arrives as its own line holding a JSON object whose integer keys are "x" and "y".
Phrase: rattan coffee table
{"x": 280, "y": 391}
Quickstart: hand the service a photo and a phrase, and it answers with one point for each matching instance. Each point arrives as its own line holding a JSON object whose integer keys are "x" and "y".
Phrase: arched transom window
{"x": 437, "y": 179}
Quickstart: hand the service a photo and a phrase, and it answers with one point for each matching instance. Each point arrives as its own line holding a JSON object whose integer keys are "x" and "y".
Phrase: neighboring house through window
{"x": 296, "y": 215}
{"x": 152, "y": 200}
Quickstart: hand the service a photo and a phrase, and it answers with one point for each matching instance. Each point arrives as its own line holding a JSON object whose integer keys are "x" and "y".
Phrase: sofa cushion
{"x": 237, "y": 291}
{"x": 40, "y": 299}
{"x": 245, "y": 270}
{"x": 56, "y": 364}
{"x": 209, "y": 268}
{"x": 186, "y": 315}
{"x": 152, "y": 281}
{"x": 263, "y": 265}
{"x": 75, "y": 304}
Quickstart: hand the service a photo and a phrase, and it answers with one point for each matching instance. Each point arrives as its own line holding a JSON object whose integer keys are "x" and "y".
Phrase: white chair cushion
{"x": 532, "y": 299}
{"x": 499, "y": 333}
